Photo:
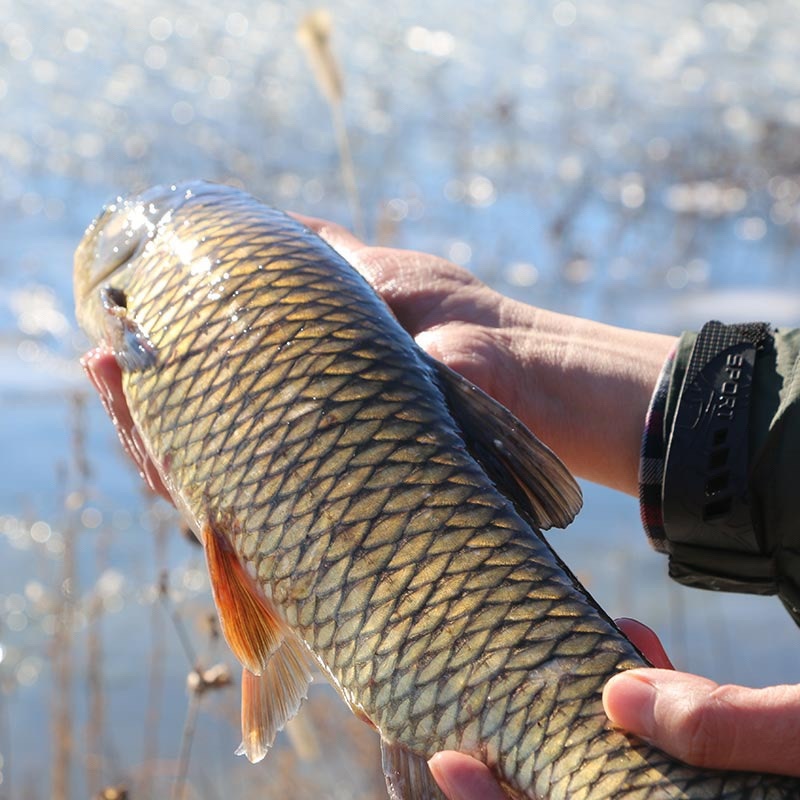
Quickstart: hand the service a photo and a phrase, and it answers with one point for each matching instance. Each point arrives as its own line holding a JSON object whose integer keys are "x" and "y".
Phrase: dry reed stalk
{"x": 61, "y": 714}
{"x": 190, "y": 723}
{"x": 314, "y": 35}
{"x": 189, "y": 726}
{"x": 303, "y": 738}
{"x": 94, "y": 678}
{"x": 112, "y": 793}
{"x": 62, "y": 641}
{"x": 199, "y": 681}
{"x": 155, "y": 681}
{"x": 177, "y": 622}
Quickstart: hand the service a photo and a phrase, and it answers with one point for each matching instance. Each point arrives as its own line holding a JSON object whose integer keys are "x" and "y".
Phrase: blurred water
{"x": 633, "y": 162}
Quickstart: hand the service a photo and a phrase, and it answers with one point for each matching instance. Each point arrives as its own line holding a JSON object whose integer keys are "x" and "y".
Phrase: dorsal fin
{"x": 521, "y": 466}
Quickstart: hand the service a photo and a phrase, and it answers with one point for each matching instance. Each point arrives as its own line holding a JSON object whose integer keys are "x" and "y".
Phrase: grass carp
{"x": 362, "y": 507}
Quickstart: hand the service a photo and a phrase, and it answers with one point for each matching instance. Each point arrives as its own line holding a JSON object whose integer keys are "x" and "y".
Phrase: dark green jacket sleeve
{"x": 760, "y": 552}
{"x": 775, "y": 467}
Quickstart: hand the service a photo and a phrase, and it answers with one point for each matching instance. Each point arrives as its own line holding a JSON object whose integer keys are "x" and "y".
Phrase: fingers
{"x": 453, "y": 316}
{"x": 647, "y": 642}
{"x": 104, "y": 373}
{"x": 412, "y": 283}
{"x": 463, "y": 778}
{"x": 380, "y": 266}
{"x": 338, "y": 237}
{"x": 702, "y": 723}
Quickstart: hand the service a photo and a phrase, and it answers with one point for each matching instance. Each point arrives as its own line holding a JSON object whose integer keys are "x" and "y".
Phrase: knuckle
{"x": 706, "y": 732}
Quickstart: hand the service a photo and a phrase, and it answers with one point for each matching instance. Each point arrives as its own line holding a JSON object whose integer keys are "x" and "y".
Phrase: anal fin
{"x": 271, "y": 699}
{"x": 250, "y": 624}
{"x": 407, "y": 774}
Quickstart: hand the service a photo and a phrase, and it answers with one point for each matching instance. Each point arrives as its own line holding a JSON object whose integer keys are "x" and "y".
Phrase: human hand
{"x": 705, "y": 724}
{"x": 104, "y": 373}
{"x": 463, "y": 778}
{"x": 581, "y": 386}
{"x": 692, "y": 718}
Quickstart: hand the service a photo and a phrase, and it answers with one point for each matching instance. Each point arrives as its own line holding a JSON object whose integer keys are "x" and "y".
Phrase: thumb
{"x": 463, "y": 778}
{"x": 703, "y": 723}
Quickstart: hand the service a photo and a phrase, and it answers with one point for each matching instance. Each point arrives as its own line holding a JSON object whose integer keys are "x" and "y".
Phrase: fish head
{"x": 112, "y": 248}
{"x": 134, "y": 238}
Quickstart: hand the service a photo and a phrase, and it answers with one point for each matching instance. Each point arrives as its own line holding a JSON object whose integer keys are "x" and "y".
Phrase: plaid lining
{"x": 652, "y": 459}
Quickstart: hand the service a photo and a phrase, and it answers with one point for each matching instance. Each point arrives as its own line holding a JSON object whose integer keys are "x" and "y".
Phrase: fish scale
{"x": 306, "y": 438}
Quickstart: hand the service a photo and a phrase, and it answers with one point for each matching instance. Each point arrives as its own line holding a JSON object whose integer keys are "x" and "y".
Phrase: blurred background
{"x": 637, "y": 163}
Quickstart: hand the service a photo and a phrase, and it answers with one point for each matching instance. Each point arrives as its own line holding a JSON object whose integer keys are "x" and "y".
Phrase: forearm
{"x": 584, "y": 387}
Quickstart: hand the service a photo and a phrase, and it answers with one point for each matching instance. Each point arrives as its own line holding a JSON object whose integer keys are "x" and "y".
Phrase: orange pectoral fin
{"x": 249, "y": 623}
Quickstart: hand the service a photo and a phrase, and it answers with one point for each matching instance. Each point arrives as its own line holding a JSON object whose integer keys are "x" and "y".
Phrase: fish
{"x": 364, "y": 510}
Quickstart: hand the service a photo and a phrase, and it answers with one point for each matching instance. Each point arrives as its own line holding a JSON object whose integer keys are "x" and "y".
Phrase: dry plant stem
{"x": 679, "y": 647}
{"x": 180, "y": 629}
{"x": 189, "y": 726}
{"x": 348, "y": 169}
{"x": 94, "y": 676}
{"x": 62, "y": 676}
{"x": 63, "y": 745}
{"x": 79, "y": 457}
{"x": 195, "y": 697}
{"x": 314, "y": 35}
{"x": 156, "y": 671}
{"x": 155, "y": 692}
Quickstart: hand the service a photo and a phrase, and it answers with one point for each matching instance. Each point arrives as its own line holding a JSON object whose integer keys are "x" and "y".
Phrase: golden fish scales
{"x": 363, "y": 506}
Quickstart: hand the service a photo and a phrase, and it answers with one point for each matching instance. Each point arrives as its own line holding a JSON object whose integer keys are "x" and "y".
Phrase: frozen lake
{"x": 632, "y": 162}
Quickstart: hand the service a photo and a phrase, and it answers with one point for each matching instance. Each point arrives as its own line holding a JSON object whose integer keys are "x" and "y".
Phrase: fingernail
{"x": 629, "y": 700}
{"x": 645, "y": 639}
